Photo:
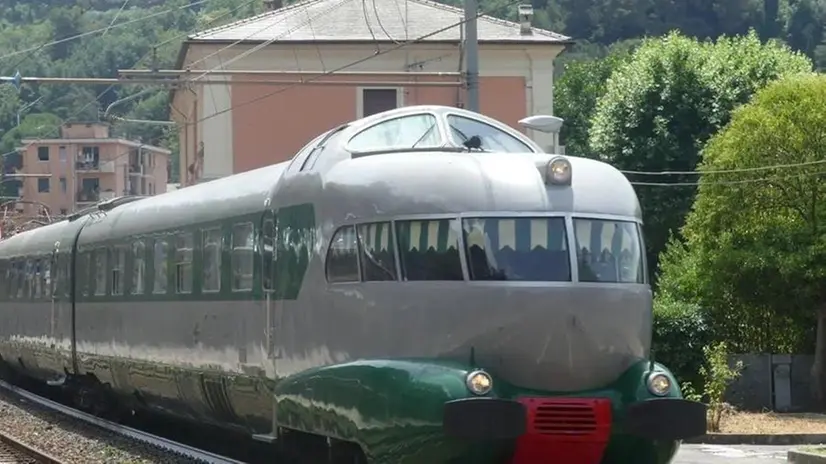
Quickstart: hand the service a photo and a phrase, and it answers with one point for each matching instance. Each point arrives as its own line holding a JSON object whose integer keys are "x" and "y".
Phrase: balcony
{"x": 90, "y": 196}
{"x": 137, "y": 170}
{"x": 94, "y": 166}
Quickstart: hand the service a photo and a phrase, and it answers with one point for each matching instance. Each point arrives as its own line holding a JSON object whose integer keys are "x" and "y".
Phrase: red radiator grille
{"x": 564, "y": 430}
{"x": 573, "y": 418}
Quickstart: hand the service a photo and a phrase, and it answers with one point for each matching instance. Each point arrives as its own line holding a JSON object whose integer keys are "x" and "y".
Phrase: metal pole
{"x": 472, "y": 55}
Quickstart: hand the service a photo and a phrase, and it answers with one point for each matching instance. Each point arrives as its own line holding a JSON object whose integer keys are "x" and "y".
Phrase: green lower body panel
{"x": 421, "y": 411}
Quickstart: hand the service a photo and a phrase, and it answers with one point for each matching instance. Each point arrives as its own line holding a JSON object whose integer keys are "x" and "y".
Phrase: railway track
{"x": 13, "y": 451}
{"x": 19, "y": 452}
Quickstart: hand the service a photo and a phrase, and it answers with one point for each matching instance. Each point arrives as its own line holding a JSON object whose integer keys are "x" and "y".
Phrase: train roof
{"x": 38, "y": 241}
{"x": 214, "y": 200}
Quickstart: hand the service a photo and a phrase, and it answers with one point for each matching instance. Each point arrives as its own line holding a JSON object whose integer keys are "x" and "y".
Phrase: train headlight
{"x": 659, "y": 384}
{"x": 558, "y": 171}
{"x": 479, "y": 382}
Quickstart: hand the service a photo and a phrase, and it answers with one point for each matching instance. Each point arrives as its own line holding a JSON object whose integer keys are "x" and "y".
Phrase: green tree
{"x": 662, "y": 105}
{"x": 755, "y": 251}
{"x": 576, "y": 92}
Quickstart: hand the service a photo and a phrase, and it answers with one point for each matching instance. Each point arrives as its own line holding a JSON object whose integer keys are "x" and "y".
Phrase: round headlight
{"x": 479, "y": 382}
{"x": 559, "y": 171}
{"x": 659, "y": 384}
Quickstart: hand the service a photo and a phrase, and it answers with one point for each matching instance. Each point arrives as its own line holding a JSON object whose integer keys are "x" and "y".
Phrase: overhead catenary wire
{"x": 54, "y": 129}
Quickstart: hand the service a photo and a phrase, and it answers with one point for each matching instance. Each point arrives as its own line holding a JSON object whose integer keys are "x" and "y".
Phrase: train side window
{"x": 378, "y": 261}
{"x": 46, "y": 274}
{"x": 211, "y": 254}
{"x": 160, "y": 263}
{"x": 429, "y": 249}
{"x": 21, "y": 278}
{"x": 100, "y": 271}
{"x": 268, "y": 253}
{"x": 183, "y": 263}
{"x": 37, "y": 280}
{"x": 342, "y": 256}
{"x": 118, "y": 262}
{"x": 138, "y": 267}
{"x": 242, "y": 256}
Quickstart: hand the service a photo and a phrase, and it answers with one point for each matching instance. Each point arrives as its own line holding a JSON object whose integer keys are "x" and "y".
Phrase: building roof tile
{"x": 369, "y": 20}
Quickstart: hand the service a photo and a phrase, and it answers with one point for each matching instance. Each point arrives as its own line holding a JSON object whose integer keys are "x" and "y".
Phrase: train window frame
{"x": 320, "y": 147}
{"x": 519, "y": 137}
{"x": 37, "y": 279}
{"x": 237, "y": 265}
{"x": 454, "y": 225}
{"x": 100, "y": 266}
{"x": 183, "y": 253}
{"x": 138, "y": 286}
{"x": 117, "y": 273}
{"x": 347, "y": 279}
{"x": 391, "y": 247}
{"x": 214, "y": 246}
{"x": 437, "y": 125}
{"x": 523, "y": 228}
{"x": 634, "y": 225}
{"x": 160, "y": 260}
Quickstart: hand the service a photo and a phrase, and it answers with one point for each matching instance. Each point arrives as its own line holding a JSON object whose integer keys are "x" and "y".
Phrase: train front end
{"x": 483, "y": 302}
{"x": 561, "y": 369}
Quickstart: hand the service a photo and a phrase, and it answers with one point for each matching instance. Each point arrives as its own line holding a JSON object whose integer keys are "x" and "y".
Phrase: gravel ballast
{"x": 72, "y": 440}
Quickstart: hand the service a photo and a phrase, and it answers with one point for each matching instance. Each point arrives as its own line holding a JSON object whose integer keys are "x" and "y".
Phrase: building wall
{"x": 62, "y": 164}
{"x": 242, "y": 126}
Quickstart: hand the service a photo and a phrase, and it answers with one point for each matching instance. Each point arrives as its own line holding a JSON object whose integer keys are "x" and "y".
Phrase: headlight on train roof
{"x": 558, "y": 171}
{"x": 659, "y": 384}
{"x": 479, "y": 383}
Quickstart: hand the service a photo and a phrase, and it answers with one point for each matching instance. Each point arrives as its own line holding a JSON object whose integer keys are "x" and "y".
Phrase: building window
{"x": 242, "y": 256}
{"x": 43, "y": 185}
{"x": 61, "y": 153}
{"x": 212, "y": 260}
{"x": 43, "y": 153}
{"x": 160, "y": 263}
{"x": 63, "y": 185}
{"x": 183, "y": 263}
{"x": 342, "y": 257}
{"x": 375, "y": 101}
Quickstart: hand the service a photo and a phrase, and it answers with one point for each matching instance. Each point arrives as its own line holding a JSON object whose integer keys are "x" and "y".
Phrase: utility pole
{"x": 472, "y": 55}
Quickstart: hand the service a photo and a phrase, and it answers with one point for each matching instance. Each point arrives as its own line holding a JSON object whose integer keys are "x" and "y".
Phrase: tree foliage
{"x": 754, "y": 255}
{"x": 663, "y": 104}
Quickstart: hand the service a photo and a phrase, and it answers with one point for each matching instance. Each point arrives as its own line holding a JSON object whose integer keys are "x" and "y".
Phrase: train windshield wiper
{"x": 426, "y": 133}
{"x": 474, "y": 142}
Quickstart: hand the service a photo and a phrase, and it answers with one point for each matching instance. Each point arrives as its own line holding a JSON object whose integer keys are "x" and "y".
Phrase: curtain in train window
{"x": 378, "y": 263}
{"x": 517, "y": 249}
{"x": 429, "y": 249}
{"x": 608, "y": 251}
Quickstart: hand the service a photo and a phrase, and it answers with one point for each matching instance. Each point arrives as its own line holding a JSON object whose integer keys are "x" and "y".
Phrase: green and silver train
{"x": 424, "y": 285}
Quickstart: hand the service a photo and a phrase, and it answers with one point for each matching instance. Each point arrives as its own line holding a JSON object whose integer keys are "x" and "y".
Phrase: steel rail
{"x": 138, "y": 435}
{"x": 31, "y": 453}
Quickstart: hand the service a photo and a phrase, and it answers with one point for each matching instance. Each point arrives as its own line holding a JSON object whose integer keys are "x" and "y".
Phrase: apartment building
{"x": 87, "y": 165}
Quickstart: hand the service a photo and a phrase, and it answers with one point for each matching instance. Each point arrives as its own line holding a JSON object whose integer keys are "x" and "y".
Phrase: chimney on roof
{"x": 525, "y": 19}
{"x": 272, "y": 5}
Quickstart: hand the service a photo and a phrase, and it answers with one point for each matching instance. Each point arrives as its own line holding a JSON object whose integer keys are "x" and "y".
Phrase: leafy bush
{"x": 717, "y": 374}
{"x": 680, "y": 333}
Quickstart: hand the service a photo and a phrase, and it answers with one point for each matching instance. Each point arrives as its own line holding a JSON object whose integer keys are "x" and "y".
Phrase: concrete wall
{"x": 773, "y": 382}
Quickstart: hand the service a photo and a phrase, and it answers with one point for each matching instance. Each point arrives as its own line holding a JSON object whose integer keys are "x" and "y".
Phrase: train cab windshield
{"x": 423, "y": 131}
{"x": 518, "y": 249}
